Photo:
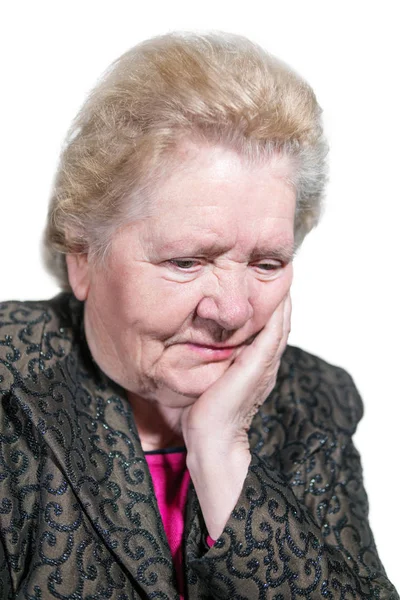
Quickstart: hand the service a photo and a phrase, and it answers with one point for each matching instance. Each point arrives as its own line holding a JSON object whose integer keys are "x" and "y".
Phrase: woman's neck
{"x": 158, "y": 426}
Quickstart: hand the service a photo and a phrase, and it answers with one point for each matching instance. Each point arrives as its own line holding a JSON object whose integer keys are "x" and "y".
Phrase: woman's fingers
{"x": 270, "y": 343}
{"x": 230, "y": 403}
{"x": 258, "y": 363}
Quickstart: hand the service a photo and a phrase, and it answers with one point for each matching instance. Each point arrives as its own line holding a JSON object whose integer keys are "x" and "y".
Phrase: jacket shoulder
{"x": 323, "y": 392}
{"x": 33, "y": 336}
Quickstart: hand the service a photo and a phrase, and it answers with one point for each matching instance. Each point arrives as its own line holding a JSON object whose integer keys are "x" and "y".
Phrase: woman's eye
{"x": 184, "y": 263}
{"x": 268, "y": 266}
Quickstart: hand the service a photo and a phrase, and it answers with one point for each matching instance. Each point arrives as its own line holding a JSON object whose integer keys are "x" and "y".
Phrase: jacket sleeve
{"x": 300, "y": 527}
{"x": 5, "y": 580}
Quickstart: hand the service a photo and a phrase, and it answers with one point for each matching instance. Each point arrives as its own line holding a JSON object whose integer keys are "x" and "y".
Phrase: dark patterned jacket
{"x": 78, "y": 514}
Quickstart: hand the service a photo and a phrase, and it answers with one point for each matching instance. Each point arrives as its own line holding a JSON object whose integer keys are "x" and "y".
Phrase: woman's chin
{"x": 192, "y": 383}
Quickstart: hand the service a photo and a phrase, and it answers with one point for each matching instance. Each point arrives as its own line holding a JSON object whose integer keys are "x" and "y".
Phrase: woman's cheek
{"x": 162, "y": 307}
{"x": 288, "y": 278}
{"x": 272, "y": 293}
{"x": 284, "y": 283}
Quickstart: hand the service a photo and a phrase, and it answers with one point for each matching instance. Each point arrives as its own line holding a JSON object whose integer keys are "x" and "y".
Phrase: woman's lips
{"x": 211, "y": 352}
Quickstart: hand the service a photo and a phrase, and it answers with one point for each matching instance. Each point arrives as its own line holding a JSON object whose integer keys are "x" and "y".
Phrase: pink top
{"x": 171, "y": 483}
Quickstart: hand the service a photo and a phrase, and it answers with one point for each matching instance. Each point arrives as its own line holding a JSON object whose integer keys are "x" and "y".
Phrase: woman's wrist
{"x": 218, "y": 473}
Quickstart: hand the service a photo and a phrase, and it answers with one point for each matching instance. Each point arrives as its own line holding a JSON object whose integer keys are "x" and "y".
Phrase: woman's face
{"x": 186, "y": 288}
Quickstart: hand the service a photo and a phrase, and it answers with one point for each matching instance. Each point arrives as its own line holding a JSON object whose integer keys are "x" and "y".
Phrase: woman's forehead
{"x": 195, "y": 233}
{"x": 216, "y": 179}
{"x": 218, "y": 204}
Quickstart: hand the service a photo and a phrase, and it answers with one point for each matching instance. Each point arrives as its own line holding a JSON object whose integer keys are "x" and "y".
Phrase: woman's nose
{"x": 228, "y": 303}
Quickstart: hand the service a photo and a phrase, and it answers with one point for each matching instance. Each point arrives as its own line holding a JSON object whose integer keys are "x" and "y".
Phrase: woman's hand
{"x": 226, "y": 409}
{"x": 215, "y": 426}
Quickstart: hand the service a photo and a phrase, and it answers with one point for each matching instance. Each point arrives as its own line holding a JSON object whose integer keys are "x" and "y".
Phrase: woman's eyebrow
{"x": 193, "y": 248}
{"x": 281, "y": 251}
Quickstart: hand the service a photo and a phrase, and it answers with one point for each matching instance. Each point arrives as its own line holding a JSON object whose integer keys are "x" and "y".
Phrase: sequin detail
{"x": 78, "y": 514}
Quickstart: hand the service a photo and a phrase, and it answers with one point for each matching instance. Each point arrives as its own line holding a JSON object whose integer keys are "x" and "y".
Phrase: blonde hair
{"x": 216, "y": 88}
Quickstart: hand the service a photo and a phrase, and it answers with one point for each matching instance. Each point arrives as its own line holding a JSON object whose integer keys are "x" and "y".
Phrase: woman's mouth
{"x": 212, "y": 353}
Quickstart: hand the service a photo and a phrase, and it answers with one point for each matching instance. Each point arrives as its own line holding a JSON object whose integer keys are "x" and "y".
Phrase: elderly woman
{"x": 159, "y": 437}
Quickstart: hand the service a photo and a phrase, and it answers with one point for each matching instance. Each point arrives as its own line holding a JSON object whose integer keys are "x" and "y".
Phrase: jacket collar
{"x": 87, "y": 423}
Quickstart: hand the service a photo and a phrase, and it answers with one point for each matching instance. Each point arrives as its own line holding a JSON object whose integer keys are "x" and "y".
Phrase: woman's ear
{"x": 78, "y": 274}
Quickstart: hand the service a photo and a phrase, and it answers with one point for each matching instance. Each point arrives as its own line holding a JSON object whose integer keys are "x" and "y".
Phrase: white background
{"x": 346, "y": 292}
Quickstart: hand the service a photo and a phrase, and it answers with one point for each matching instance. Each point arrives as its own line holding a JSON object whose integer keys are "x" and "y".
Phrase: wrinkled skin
{"x": 192, "y": 313}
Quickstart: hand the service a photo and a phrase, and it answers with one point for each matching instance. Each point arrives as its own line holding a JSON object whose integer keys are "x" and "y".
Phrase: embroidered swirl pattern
{"x": 78, "y": 515}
